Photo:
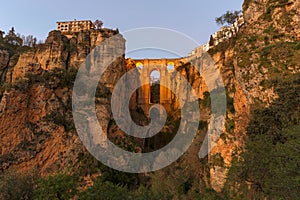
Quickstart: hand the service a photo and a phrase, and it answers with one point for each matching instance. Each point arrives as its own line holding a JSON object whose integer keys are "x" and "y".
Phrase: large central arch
{"x": 164, "y": 67}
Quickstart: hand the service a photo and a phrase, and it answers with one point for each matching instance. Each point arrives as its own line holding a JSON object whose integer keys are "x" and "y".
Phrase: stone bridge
{"x": 164, "y": 67}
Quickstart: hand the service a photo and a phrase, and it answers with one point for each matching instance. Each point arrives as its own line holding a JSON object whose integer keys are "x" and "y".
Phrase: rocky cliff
{"x": 37, "y": 131}
{"x": 58, "y": 52}
{"x": 265, "y": 49}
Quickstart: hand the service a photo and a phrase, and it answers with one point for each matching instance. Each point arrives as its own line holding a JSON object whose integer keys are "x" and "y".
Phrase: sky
{"x": 193, "y": 18}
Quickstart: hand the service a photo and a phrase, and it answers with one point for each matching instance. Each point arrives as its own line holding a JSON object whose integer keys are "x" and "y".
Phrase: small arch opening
{"x": 139, "y": 65}
{"x": 171, "y": 66}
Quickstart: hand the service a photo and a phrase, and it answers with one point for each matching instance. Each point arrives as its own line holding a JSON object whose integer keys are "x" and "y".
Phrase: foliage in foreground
{"x": 270, "y": 164}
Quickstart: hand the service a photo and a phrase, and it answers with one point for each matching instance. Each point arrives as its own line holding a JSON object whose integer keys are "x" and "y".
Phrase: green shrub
{"x": 61, "y": 120}
{"x": 266, "y": 51}
{"x": 21, "y": 84}
{"x": 60, "y": 186}
{"x": 296, "y": 46}
{"x": 268, "y": 14}
{"x": 206, "y": 101}
{"x": 252, "y": 39}
{"x": 266, "y": 40}
{"x": 5, "y": 87}
{"x": 230, "y": 125}
{"x": 105, "y": 191}
{"x": 273, "y": 144}
{"x": 147, "y": 194}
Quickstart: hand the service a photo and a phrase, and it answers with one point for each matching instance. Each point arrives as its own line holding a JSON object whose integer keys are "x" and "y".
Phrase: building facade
{"x": 75, "y": 26}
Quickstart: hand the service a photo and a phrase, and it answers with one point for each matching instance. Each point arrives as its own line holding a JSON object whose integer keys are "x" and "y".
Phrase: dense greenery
{"x": 65, "y": 186}
{"x": 270, "y": 163}
{"x": 60, "y": 186}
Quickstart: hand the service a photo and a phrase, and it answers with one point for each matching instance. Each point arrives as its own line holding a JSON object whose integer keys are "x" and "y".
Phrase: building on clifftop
{"x": 75, "y": 26}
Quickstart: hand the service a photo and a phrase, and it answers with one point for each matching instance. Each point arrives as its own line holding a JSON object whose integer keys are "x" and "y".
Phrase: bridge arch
{"x": 164, "y": 67}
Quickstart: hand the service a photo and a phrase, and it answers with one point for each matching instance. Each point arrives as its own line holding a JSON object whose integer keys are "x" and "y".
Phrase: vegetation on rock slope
{"x": 267, "y": 70}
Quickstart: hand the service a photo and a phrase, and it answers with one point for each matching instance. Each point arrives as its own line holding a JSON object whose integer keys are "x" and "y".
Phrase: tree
{"x": 1, "y": 34}
{"x": 98, "y": 23}
{"x": 12, "y": 31}
{"x": 13, "y": 38}
{"x": 29, "y": 40}
{"x": 211, "y": 41}
{"x": 228, "y": 18}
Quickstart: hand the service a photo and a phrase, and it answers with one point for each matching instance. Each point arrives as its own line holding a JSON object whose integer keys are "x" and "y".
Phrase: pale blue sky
{"x": 195, "y": 18}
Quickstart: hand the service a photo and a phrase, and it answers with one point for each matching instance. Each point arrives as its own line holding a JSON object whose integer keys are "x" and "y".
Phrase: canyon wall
{"x": 258, "y": 54}
{"x": 37, "y": 130}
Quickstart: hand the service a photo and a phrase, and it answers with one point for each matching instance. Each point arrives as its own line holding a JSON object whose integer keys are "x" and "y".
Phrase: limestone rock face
{"x": 60, "y": 52}
{"x": 29, "y": 139}
{"x": 36, "y": 129}
{"x": 253, "y": 10}
{"x": 295, "y": 6}
{"x": 25, "y": 65}
{"x": 287, "y": 18}
{"x": 285, "y": 15}
{"x": 271, "y": 26}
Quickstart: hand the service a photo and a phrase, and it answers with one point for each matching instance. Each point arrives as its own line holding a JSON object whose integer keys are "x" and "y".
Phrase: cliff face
{"x": 37, "y": 130}
{"x": 284, "y": 14}
{"x": 268, "y": 38}
{"x": 31, "y": 135}
{"x": 264, "y": 50}
{"x": 58, "y": 52}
